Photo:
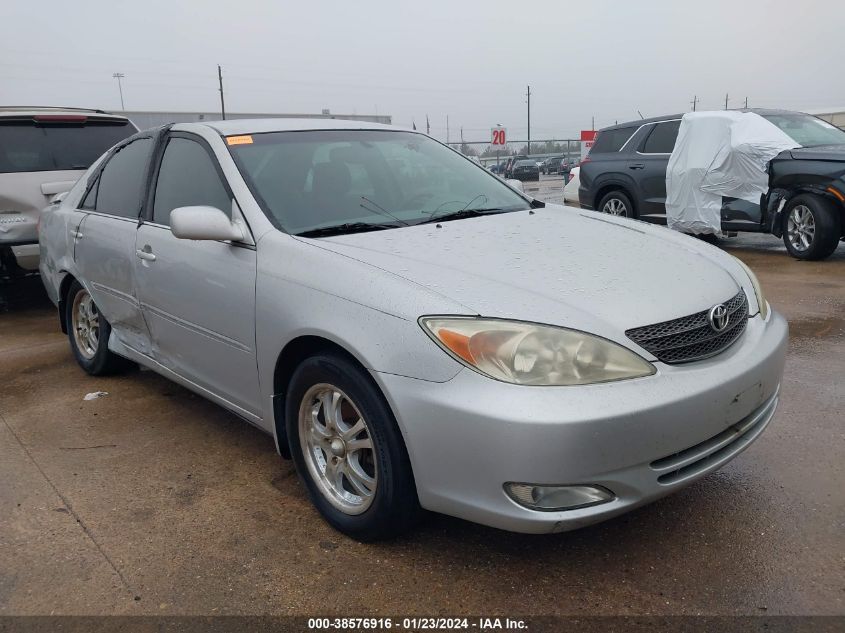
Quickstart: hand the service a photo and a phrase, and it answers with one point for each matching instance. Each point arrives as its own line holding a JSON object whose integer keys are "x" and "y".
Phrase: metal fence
{"x": 569, "y": 148}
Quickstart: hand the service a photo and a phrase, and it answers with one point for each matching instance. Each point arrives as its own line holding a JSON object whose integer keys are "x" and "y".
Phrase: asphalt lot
{"x": 154, "y": 501}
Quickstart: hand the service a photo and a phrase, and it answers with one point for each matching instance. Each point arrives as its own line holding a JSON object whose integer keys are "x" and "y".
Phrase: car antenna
{"x": 641, "y": 114}
{"x": 383, "y": 210}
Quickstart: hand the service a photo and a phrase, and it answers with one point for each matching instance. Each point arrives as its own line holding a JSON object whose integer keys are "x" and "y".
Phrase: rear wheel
{"x": 813, "y": 227}
{"x": 89, "y": 334}
{"x": 348, "y": 450}
{"x": 616, "y": 203}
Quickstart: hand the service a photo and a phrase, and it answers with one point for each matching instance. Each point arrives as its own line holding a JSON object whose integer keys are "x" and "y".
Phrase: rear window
{"x": 612, "y": 140}
{"x": 662, "y": 138}
{"x": 51, "y": 146}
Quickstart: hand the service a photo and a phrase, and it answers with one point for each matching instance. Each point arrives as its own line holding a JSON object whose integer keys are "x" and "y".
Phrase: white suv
{"x": 43, "y": 151}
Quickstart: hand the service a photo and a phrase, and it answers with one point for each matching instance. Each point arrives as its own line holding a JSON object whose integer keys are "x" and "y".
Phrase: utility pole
{"x": 694, "y": 102}
{"x": 746, "y": 103}
{"x": 447, "y": 129}
{"x": 222, "y": 102}
{"x": 529, "y": 119}
{"x": 427, "y": 126}
{"x": 593, "y": 124}
{"x": 120, "y": 76}
{"x": 726, "y": 101}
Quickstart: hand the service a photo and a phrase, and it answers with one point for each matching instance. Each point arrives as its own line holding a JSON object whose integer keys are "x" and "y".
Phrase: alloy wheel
{"x": 801, "y": 227}
{"x": 338, "y": 448}
{"x": 615, "y": 206}
{"x": 85, "y": 323}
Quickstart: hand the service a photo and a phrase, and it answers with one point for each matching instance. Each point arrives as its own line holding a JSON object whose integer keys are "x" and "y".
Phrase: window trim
{"x": 645, "y": 140}
{"x": 94, "y": 179}
{"x": 147, "y": 216}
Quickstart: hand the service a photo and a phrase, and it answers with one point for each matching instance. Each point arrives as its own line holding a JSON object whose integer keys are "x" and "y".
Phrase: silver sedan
{"x": 414, "y": 332}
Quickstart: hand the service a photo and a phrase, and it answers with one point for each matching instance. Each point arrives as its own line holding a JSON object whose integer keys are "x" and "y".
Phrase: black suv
{"x": 625, "y": 174}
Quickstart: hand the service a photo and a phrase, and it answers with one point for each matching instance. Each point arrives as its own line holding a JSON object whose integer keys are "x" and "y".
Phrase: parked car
{"x": 511, "y": 162}
{"x": 551, "y": 165}
{"x": 525, "y": 170}
{"x": 572, "y": 180}
{"x": 625, "y": 174}
{"x": 438, "y": 341}
{"x": 42, "y": 153}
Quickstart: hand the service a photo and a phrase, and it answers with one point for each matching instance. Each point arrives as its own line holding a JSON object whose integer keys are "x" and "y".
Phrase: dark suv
{"x": 625, "y": 174}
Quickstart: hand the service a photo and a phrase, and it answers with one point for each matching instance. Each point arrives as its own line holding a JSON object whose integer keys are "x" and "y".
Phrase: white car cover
{"x": 717, "y": 154}
{"x": 570, "y": 191}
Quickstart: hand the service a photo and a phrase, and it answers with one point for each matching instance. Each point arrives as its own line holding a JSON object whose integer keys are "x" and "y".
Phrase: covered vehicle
{"x": 43, "y": 151}
{"x": 716, "y": 155}
{"x": 781, "y": 170}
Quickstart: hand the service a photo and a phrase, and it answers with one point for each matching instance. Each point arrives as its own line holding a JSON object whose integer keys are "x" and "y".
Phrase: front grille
{"x": 691, "y": 337}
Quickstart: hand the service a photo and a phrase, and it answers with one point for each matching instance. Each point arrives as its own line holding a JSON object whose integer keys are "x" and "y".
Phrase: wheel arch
{"x": 64, "y": 287}
{"x": 606, "y": 187}
{"x": 291, "y": 355}
{"x": 778, "y": 223}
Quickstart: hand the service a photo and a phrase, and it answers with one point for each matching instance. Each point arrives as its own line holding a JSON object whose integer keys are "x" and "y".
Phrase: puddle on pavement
{"x": 817, "y": 327}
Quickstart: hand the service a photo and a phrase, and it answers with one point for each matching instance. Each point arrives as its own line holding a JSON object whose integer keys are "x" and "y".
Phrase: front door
{"x": 198, "y": 297}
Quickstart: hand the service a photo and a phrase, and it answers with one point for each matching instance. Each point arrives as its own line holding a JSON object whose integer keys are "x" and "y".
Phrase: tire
{"x": 320, "y": 448}
{"x": 89, "y": 335}
{"x": 812, "y": 226}
{"x": 616, "y": 200}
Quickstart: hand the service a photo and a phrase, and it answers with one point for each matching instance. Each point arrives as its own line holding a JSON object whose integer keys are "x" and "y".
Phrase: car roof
{"x": 259, "y": 126}
{"x": 32, "y": 111}
{"x": 672, "y": 117}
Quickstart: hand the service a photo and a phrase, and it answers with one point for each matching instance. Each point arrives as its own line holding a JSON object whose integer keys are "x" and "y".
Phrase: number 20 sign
{"x": 499, "y": 136}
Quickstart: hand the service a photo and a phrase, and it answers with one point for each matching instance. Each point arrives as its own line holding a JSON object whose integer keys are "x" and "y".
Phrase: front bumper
{"x": 468, "y": 436}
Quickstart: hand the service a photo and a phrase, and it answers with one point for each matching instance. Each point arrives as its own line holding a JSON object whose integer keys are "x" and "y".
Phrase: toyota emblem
{"x": 718, "y": 317}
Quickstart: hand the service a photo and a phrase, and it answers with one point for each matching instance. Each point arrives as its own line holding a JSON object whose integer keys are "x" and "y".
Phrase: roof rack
{"x": 26, "y": 107}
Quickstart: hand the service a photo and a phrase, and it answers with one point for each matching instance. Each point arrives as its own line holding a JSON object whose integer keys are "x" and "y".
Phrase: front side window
{"x": 315, "y": 179}
{"x": 662, "y": 138}
{"x": 119, "y": 188}
{"x": 188, "y": 177}
{"x": 807, "y": 130}
{"x": 612, "y": 140}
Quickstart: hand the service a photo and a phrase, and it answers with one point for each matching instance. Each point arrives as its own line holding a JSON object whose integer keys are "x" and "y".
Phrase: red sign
{"x": 588, "y": 135}
{"x": 499, "y": 137}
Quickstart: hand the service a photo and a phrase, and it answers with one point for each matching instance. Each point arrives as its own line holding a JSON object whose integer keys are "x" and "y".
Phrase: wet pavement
{"x": 151, "y": 500}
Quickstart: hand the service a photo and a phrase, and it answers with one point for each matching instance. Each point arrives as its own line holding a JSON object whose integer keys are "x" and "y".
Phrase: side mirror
{"x": 57, "y": 199}
{"x": 516, "y": 184}
{"x": 203, "y": 223}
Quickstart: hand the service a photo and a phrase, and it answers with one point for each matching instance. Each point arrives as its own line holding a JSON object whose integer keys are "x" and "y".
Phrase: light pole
{"x": 120, "y": 76}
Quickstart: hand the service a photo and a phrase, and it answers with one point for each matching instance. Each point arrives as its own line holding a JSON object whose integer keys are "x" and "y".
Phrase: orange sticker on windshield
{"x": 244, "y": 139}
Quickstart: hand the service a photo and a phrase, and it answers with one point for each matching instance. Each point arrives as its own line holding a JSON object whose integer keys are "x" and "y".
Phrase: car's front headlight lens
{"x": 531, "y": 354}
{"x": 758, "y": 290}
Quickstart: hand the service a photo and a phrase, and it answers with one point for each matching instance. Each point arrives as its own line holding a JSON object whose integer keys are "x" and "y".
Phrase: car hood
{"x": 819, "y": 152}
{"x": 556, "y": 265}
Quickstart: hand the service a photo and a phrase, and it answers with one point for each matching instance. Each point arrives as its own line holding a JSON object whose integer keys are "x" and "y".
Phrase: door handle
{"x": 76, "y": 235}
{"x": 637, "y": 166}
{"x": 145, "y": 255}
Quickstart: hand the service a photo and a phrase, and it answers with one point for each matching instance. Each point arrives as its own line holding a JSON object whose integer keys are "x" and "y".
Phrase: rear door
{"x": 648, "y": 168}
{"x": 104, "y": 248}
{"x": 198, "y": 297}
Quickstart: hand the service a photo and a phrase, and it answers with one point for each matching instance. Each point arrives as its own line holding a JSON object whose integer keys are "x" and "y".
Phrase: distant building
{"x": 146, "y": 119}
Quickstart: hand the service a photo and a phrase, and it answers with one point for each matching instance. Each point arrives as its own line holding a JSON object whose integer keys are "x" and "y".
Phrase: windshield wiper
{"x": 348, "y": 227}
{"x": 460, "y": 214}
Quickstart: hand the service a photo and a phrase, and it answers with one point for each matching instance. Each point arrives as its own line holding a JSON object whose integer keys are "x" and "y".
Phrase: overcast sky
{"x": 470, "y": 60}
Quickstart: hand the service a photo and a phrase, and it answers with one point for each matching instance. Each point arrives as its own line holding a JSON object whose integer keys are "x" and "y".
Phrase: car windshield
{"x": 526, "y": 163}
{"x": 28, "y": 145}
{"x": 807, "y": 130}
{"x": 312, "y": 180}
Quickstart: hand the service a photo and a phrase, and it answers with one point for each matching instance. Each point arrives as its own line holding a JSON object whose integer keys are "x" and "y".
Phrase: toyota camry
{"x": 413, "y": 331}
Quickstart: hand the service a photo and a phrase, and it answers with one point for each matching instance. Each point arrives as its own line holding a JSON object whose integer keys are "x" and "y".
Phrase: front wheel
{"x": 813, "y": 227}
{"x": 348, "y": 450}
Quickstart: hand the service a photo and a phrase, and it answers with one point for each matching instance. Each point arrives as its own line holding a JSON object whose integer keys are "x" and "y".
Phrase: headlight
{"x": 531, "y": 354}
{"x": 758, "y": 290}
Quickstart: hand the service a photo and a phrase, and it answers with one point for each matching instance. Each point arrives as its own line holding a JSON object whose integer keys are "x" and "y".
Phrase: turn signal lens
{"x": 758, "y": 290}
{"x": 551, "y": 498}
{"x": 532, "y": 354}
